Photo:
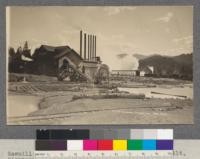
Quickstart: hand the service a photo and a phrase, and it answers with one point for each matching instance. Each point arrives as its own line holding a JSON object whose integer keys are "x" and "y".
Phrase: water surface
{"x": 187, "y": 91}
{"x": 21, "y": 105}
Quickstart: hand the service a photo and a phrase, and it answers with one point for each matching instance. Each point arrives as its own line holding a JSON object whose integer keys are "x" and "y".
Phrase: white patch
{"x": 116, "y": 10}
{"x": 166, "y": 18}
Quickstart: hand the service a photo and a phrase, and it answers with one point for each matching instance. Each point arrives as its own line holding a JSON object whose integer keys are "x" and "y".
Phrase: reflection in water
{"x": 21, "y": 105}
{"x": 182, "y": 91}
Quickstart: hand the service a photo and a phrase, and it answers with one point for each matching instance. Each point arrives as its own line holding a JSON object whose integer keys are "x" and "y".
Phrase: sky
{"x": 165, "y": 30}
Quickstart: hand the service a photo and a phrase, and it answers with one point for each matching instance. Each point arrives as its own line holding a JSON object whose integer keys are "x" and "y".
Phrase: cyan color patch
{"x": 149, "y": 144}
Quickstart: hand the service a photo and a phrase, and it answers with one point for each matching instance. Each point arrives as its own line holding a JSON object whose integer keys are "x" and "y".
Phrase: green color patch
{"x": 134, "y": 144}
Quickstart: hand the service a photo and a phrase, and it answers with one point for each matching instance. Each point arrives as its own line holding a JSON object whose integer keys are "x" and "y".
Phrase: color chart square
{"x": 90, "y": 145}
{"x": 105, "y": 145}
{"x": 43, "y": 134}
{"x": 74, "y": 144}
{"x": 120, "y": 145}
{"x": 164, "y": 144}
{"x": 110, "y": 134}
{"x": 51, "y": 145}
{"x": 137, "y": 134}
{"x": 149, "y": 144}
{"x": 150, "y": 134}
{"x": 123, "y": 134}
{"x": 165, "y": 134}
{"x": 96, "y": 134}
{"x": 135, "y": 144}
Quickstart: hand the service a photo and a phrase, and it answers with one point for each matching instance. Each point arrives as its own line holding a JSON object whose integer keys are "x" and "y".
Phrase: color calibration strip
{"x": 115, "y": 145}
{"x": 85, "y": 140}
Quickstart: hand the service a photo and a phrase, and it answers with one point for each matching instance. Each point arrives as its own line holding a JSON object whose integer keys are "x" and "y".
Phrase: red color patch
{"x": 105, "y": 145}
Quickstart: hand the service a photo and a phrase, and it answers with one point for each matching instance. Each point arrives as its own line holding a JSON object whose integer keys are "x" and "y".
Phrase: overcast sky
{"x": 144, "y": 30}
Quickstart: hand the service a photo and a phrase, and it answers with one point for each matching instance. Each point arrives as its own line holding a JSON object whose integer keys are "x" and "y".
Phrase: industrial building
{"x": 124, "y": 72}
{"x": 63, "y": 61}
{"x": 146, "y": 71}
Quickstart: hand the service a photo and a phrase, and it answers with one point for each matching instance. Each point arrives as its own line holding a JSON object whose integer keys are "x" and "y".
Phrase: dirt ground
{"x": 56, "y": 106}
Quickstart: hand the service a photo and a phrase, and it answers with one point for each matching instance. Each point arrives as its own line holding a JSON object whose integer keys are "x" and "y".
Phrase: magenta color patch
{"x": 89, "y": 145}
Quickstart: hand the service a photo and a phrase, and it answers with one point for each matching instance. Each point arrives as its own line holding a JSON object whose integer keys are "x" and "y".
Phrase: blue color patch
{"x": 149, "y": 144}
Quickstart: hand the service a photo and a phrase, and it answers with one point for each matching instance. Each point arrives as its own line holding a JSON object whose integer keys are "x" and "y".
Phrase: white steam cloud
{"x": 125, "y": 62}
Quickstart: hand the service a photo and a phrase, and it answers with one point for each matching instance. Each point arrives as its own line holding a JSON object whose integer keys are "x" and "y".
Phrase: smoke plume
{"x": 125, "y": 62}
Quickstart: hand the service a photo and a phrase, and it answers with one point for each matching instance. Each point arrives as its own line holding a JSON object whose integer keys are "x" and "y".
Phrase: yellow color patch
{"x": 120, "y": 145}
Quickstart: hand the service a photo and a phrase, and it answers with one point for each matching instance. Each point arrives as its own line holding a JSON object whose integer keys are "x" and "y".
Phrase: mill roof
{"x": 57, "y": 52}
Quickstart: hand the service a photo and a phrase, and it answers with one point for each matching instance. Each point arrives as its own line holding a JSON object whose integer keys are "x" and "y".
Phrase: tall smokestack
{"x": 91, "y": 47}
{"x": 88, "y": 47}
{"x": 81, "y": 32}
{"x": 95, "y": 48}
{"x": 85, "y": 46}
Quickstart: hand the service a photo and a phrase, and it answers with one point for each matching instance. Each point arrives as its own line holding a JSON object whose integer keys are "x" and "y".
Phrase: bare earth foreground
{"x": 50, "y": 102}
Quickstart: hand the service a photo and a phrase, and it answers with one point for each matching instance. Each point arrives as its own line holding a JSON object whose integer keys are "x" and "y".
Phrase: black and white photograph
{"x": 99, "y": 65}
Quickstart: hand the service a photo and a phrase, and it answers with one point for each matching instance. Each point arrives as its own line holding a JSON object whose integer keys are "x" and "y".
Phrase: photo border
{"x": 182, "y": 131}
